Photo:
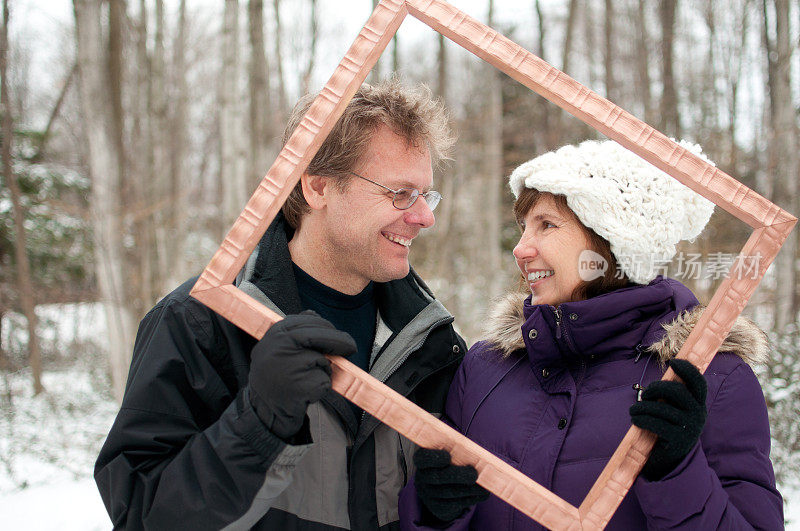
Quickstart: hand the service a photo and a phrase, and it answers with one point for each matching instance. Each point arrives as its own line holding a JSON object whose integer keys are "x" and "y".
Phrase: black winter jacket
{"x": 187, "y": 451}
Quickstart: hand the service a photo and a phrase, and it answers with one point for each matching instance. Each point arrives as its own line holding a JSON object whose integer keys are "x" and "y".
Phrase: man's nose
{"x": 420, "y": 213}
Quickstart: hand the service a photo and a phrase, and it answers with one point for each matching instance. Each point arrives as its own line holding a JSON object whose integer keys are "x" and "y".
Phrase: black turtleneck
{"x": 354, "y": 314}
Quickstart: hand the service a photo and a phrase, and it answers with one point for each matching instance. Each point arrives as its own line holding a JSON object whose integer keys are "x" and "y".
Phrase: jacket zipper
{"x": 400, "y": 450}
{"x": 559, "y": 332}
{"x": 558, "y": 322}
{"x": 350, "y": 447}
{"x": 410, "y": 351}
{"x": 404, "y": 468}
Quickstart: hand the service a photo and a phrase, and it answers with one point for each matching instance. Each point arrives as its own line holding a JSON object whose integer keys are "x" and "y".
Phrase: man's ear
{"x": 315, "y": 189}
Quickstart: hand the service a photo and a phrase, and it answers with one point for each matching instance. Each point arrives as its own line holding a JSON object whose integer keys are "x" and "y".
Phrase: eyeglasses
{"x": 404, "y": 198}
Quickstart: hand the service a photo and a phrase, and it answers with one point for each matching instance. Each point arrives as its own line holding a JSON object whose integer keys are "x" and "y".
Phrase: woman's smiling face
{"x": 548, "y": 251}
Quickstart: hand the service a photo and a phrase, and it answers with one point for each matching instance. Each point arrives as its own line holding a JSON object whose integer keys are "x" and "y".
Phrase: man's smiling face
{"x": 368, "y": 239}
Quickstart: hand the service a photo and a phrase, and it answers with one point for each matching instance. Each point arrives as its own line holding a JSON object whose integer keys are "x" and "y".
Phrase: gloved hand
{"x": 676, "y": 413}
{"x": 444, "y": 489}
{"x": 288, "y": 369}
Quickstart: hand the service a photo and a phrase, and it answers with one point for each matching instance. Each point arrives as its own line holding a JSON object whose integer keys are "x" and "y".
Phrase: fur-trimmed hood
{"x": 746, "y": 339}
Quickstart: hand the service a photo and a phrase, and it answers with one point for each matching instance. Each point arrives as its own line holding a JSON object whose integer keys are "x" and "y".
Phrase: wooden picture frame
{"x": 770, "y": 224}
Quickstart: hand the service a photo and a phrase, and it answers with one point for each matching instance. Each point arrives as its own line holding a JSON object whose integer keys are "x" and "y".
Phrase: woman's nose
{"x": 525, "y": 249}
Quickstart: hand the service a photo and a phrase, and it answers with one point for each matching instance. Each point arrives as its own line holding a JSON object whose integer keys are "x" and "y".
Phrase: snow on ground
{"x": 48, "y": 446}
{"x": 792, "y": 509}
{"x": 48, "y": 443}
{"x": 47, "y": 449}
{"x": 61, "y": 505}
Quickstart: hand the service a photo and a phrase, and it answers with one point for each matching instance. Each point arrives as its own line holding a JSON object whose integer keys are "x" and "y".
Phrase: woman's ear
{"x": 314, "y": 189}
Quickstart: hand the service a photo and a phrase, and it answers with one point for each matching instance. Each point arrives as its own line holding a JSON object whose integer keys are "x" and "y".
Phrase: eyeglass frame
{"x": 428, "y": 200}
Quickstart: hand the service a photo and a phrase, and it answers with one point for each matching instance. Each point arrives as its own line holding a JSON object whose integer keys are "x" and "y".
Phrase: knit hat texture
{"x": 639, "y": 209}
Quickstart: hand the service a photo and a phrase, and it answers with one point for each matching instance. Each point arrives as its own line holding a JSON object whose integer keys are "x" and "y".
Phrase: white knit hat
{"x": 639, "y": 209}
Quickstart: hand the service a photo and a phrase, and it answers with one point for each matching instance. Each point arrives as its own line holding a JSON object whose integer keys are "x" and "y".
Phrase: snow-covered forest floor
{"x": 48, "y": 443}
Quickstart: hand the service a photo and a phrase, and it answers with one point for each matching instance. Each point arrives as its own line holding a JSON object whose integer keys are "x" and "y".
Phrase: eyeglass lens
{"x": 405, "y": 198}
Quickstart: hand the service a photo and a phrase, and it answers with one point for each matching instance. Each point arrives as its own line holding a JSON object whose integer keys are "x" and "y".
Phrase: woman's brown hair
{"x": 612, "y": 279}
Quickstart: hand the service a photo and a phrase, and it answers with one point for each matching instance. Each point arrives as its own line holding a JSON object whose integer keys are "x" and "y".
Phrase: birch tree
{"x": 260, "y": 108}
{"x": 377, "y": 71}
{"x": 141, "y": 166}
{"x": 232, "y": 176}
{"x": 278, "y": 50}
{"x": 439, "y": 239}
{"x": 178, "y": 182}
{"x": 493, "y": 180}
{"x": 786, "y": 170}
{"x": 103, "y": 162}
{"x": 556, "y": 131}
{"x": 161, "y": 128}
{"x": 305, "y": 82}
{"x": 544, "y": 108}
{"x": 116, "y": 20}
{"x": 609, "y": 55}
{"x": 668, "y": 122}
{"x": 643, "y": 61}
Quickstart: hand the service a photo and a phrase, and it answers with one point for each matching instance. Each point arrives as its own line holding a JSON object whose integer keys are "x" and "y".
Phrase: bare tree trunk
{"x": 767, "y": 183}
{"x": 569, "y": 33}
{"x": 544, "y": 110}
{"x": 709, "y": 97}
{"x": 232, "y": 175}
{"x": 590, "y": 50}
{"x": 493, "y": 180}
{"x": 282, "y": 103}
{"x": 556, "y": 131}
{"x": 540, "y": 47}
{"x": 669, "y": 122}
{"x": 772, "y": 61}
{"x": 260, "y": 134}
{"x": 376, "y": 73}
{"x": 642, "y": 62}
{"x": 441, "y": 68}
{"x": 5, "y": 362}
{"x": 104, "y": 163}
{"x": 25, "y": 285}
{"x": 444, "y": 215}
{"x": 395, "y": 53}
{"x": 177, "y": 270}
{"x": 160, "y": 127}
{"x": 608, "y": 58}
{"x": 116, "y": 16}
{"x": 445, "y": 211}
{"x": 142, "y": 186}
{"x": 734, "y": 62}
{"x": 306, "y": 81}
{"x": 786, "y": 188}
{"x": 41, "y": 148}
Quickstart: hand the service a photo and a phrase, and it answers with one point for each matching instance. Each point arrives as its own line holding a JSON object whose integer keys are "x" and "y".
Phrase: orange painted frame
{"x": 770, "y": 223}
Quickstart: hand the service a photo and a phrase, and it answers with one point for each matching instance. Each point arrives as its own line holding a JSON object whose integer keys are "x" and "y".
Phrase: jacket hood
{"x": 746, "y": 339}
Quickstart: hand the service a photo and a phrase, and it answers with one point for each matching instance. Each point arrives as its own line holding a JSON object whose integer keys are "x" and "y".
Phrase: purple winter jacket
{"x": 553, "y": 402}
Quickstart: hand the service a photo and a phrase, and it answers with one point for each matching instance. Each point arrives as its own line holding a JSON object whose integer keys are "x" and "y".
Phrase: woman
{"x": 552, "y": 389}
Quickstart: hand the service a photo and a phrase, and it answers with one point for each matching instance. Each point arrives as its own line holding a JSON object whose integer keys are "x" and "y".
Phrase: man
{"x": 217, "y": 430}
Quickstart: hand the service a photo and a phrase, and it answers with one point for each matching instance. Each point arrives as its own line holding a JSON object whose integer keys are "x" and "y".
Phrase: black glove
{"x": 676, "y": 413}
{"x": 288, "y": 369}
{"x": 444, "y": 489}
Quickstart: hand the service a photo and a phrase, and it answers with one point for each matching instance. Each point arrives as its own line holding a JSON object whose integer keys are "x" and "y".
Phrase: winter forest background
{"x": 121, "y": 119}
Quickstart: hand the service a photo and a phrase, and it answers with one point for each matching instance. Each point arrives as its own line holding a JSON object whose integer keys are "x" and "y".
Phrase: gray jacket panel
{"x": 313, "y": 483}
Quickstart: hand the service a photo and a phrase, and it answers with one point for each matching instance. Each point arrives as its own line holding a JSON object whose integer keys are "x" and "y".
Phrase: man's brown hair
{"x": 411, "y": 113}
{"x": 611, "y": 280}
